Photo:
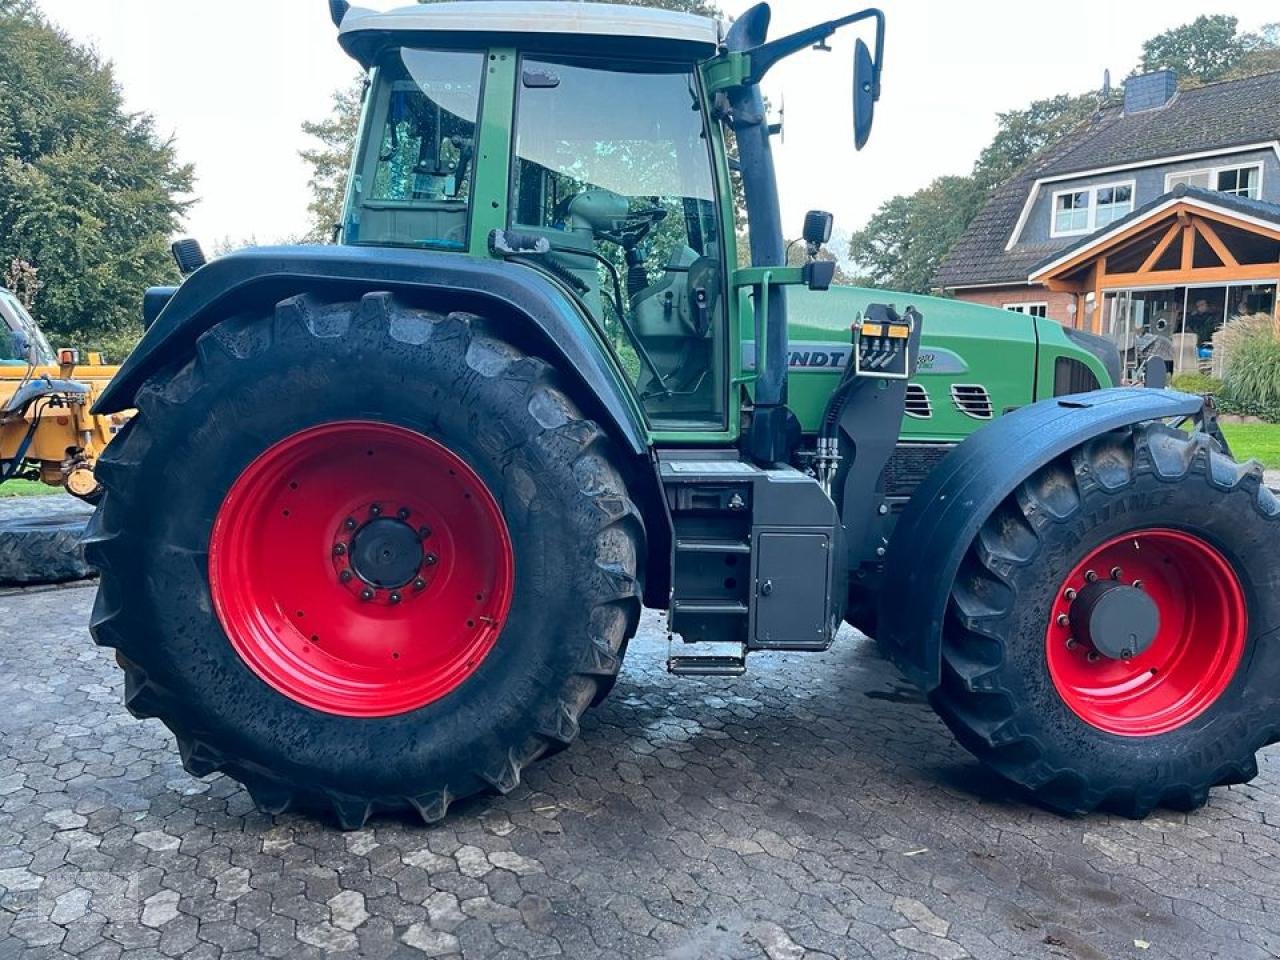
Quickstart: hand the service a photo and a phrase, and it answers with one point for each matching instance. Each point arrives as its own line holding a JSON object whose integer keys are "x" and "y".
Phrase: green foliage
{"x": 1197, "y": 383}
{"x": 88, "y": 191}
{"x": 1253, "y": 374}
{"x": 26, "y": 488}
{"x": 1254, "y": 441}
{"x": 1204, "y": 50}
{"x": 1024, "y": 133}
{"x": 904, "y": 243}
{"x": 330, "y": 161}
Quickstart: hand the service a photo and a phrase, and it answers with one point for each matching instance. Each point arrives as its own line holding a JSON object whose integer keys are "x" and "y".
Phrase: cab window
{"x": 613, "y": 166}
{"x": 413, "y": 178}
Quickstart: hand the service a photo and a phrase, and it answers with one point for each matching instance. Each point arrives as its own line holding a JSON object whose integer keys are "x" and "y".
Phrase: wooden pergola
{"x": 1184, "y": 241}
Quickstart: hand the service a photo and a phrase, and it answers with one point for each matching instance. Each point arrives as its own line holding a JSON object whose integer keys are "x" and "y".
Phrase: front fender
{"x": 947, "y": 511}
{"x": 261, "y": 277}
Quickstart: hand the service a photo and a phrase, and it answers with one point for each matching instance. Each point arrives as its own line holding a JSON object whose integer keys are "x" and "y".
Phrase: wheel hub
{"x": 387, "y": 554}
{"x": 1146, "y": 632}
{"x": 1118, "y": 621}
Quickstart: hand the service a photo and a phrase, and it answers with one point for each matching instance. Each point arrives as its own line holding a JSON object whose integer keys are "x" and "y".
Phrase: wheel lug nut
{"x": 1137, "y": 584}
{"x": 351, "y": 523}
{"x": 1091, "y": 577}
{"x": 432, "y": 560}
{"x": 1063, "y": 620}
{"x": 424, "y": 533}
{"x": 375, "y": 511}
{"x": 1094, "y": 656}
{"x": 1071, "y": 643}
{"x": 366, "y": 594}
{"x": 396, "y": 598}
{"x": 404, "y": 513}
{"x": 1070, "y": 594}
{"x": 340, "y": 550}
{"x": 419, "y": 584}
{"x": 345, "y": 576}
{"x": 1116, "y": 573}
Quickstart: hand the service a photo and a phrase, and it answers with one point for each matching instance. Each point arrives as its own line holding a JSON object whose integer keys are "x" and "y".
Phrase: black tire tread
{"x": 616, "y": 615}
{"x": 981, "y": 714}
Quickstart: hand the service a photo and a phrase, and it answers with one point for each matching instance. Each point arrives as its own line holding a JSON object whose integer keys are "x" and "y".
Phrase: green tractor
{"x": 391, "y": 509}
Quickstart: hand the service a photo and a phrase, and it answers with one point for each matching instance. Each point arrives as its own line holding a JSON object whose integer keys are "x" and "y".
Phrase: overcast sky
{"x": 233, "y": 80}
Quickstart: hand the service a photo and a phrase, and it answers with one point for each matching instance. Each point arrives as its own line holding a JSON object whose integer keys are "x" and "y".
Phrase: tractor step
{"x": 706, "y": 659}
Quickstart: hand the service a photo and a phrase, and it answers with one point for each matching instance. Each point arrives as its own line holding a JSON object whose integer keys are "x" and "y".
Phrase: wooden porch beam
{"x": 1178, "y": 278}
{"x": 1188, "y": 245}
{"x": 1165, "y": 243}
{"x": 1205, "y": 229}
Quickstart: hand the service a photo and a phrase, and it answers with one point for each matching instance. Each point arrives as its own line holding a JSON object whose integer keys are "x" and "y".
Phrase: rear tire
{"x": 1082, "y": 730}
{"x": 257, "y": 385}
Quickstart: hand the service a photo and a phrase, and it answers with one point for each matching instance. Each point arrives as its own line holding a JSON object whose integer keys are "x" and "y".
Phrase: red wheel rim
{"x": 361, "y": 569}
{"x": 1195, "y": 654}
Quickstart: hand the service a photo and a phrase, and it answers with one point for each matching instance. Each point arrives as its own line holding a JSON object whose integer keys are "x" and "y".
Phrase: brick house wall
{"x": 1059, "y": 303}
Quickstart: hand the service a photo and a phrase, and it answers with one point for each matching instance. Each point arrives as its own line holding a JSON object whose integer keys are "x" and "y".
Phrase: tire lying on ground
{"x": 45, "y": 548}
{"x": 364, "y": 557}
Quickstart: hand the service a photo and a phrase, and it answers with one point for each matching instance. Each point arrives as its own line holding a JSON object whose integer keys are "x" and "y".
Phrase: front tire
{"x": 363, "y": 558}
{"x": 1167, "y": 521}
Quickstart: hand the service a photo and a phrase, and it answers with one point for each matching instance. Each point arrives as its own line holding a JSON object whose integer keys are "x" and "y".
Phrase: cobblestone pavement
{"x": 814, "y": 808}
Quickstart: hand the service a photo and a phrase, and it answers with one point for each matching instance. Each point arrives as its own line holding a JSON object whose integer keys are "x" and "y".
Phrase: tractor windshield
{"x": 412, "y": 182}
{"x": 613, "y": 166}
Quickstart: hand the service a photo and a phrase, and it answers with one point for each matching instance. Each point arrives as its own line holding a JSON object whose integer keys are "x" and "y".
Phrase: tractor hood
{"x": 592, "y": 27}
{"x": 976, "y": 362}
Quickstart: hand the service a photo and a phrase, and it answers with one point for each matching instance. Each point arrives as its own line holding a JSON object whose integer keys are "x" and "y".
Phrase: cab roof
{"x": 531, "y": 23}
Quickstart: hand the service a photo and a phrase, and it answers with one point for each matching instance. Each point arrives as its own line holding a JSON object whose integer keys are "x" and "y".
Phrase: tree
{"x": 89, "y": 194}
{"x": 903, "y": 244}
{"x": 330, "y": 159}
{"x": 1201, "y": 51}
{"x": 1024, "y": 133}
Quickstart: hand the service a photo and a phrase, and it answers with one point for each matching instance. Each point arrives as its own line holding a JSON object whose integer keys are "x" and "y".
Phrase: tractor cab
{"x": 586, "y": 141}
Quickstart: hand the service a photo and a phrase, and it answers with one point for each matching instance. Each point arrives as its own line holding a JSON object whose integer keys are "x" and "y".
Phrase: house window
{"x": 1071, "y": 212}
{"x": 1113, "y": 203}
{"x": 1029, "y": 309}
{"x": 1083, "y": 211}
{"x": 1243, "y": 181}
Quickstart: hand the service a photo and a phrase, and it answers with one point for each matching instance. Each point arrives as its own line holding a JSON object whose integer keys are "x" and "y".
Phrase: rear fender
{"x": 947, "y": 511}
{"x": 257, "y": 279}
{"x": 530, "y": 310}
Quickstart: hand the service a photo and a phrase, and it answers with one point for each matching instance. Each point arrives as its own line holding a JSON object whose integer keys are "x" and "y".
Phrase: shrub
{"x": 1198, "y": 383}
{"x": 1252, "y": 386}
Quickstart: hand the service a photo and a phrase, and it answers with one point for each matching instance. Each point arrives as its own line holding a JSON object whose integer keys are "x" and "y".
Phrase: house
{"x": 1158, "y": 215}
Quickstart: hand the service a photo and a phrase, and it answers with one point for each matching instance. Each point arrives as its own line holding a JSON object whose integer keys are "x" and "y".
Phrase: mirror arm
{"x": 765, "y": 57}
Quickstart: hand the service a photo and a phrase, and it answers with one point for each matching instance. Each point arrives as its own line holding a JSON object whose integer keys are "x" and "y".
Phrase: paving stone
{"x": 812, "y": 809}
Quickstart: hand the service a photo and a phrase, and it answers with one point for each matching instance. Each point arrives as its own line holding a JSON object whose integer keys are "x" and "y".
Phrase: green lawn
{"x": 26, "y": 488}
{"x": 1255, "y": 441}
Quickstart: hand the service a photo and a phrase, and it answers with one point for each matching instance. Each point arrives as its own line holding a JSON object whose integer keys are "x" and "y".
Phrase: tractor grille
{"x": 919, "y": 405}
{"x": 910, "y": 464}
{"x": 1072, "y": 376}
{"x": 973, "y": 400}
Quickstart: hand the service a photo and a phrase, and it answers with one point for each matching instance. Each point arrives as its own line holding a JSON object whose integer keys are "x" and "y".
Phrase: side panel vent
{"x": 1072, "y": 376}
{"x": 919, "y": 406}
{"x": 973, "y": 400}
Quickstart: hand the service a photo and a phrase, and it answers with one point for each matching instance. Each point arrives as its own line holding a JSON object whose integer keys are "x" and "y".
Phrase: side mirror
{"x": 866, "y": 91}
